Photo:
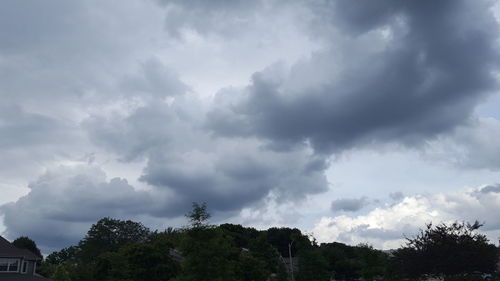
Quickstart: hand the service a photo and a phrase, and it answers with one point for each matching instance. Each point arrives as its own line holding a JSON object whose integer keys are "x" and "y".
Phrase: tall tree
{"x": 109, "y": 234}
{"x": 24, "y": 242}
{"x": 450, "y": 252}
{"x": 198, "y": 216}
{"x": 312, "y": 266}
{"x": 208, "y": 253}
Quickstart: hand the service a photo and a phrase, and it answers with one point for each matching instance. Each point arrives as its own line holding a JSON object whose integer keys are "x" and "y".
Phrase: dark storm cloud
{"x": 422, "y": 78}
{"x": 349, "y": 204}
{"x": 390, "y": 70}
{"x": 234, "y": 175}
{"x": 187, "y": 161}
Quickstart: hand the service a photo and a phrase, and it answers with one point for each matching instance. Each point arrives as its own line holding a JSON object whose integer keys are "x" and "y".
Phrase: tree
{"x": 209, "y": 254}
{"x": 24, "y": 242}
{"x": 109, "y": 235}
{"x": 312, "y": 266}
{"x": 137, "y": 262}
{"x": 61, "y": 274}
{"x": 450, "y": 252}
{"x": 199, "y": 215}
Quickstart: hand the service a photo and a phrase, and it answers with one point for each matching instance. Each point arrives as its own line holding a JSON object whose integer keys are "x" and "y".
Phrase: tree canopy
{"x": 24, "y": 242}
{"x": 118, "y": 250}
{"x": 447, "y": 251}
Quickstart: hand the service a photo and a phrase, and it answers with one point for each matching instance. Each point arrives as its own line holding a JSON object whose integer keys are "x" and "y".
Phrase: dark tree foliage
{"x": 24, "y": 242}
{"x": 251, "y": 268}
{"x": 261, "y": 249}
{"x": 199, "y": 215}
{"x": 240, "y": 235}
{"x": 451, "y": 252}
{"x": 109, "y": 234}
{"x": 127, "y": 251}
{"x": 281, "y": 237}
{"x": 351, "y": 263}
{"x": 137, "y": 262}
{"x": 313, "y": 266}
{"x": 64, "y": 255}
{"x": 61, "y": 273}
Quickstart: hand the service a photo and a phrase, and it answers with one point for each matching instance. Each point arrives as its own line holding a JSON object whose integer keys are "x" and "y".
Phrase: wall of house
{"x": 31, "y": 268}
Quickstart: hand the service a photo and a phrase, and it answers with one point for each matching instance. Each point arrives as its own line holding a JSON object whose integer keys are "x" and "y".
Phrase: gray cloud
{"x": 221, "y": 17}
{"x": 232, "y": 175}
{"x": 155, "y": 80}
{"x": 396, "y": 196}
{"x": 491, "y": 189}
{"x": 83, "y": 78}
{"x": 349, "y": 204}
{"x": 422, "y": 78}
{"x": 473, "y": 145}
{"x": 186, "y": 160}
{"x": 64, "y": 202}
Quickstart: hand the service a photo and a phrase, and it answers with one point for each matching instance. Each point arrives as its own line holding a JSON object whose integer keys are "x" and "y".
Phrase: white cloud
{"x": 386, "y": 226}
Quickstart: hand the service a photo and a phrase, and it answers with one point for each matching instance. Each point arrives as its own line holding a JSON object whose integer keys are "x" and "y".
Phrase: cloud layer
{"x": 423, "y": 74}
{"x": 236, "y": 103}
{"x": 386, "y": 226}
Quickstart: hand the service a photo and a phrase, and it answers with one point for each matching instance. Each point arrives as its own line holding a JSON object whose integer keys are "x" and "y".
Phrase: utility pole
{"x": 290, "y": 257}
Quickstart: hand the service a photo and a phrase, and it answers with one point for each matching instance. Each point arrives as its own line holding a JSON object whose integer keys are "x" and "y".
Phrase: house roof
{"x": 7, "y": 250}
{"x": 21, "y": 277}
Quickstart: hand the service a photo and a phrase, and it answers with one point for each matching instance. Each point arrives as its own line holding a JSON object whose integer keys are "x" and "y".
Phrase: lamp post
{"x": 290, "y": 257}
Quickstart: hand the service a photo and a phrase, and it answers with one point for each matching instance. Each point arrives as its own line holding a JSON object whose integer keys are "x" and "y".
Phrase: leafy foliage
{"x": 108, "y": 235}
{"x": 116, "y": 250}
{"x": 446, "y": 251}
{"x": 24, "y": 242}
{"x": 199, "y": 215}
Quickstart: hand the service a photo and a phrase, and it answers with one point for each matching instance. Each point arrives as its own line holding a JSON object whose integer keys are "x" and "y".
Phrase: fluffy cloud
{"x": 64, "y": 202}
{"x": 386, "y": 226}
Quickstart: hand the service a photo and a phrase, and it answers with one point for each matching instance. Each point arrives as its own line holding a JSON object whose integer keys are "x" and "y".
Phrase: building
{"x": 17, "y": 264}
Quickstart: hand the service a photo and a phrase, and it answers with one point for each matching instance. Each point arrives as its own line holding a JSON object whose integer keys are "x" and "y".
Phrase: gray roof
{"x": 7, "y": 250}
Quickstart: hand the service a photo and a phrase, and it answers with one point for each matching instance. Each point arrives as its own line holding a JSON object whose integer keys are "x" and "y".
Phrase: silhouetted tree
{"x": 313, "y": 266}
{"x": 198, "y": 216}
{"x": 451, "y": 252}
{"x": 24, "y": 242}
{"x": 109, "y": 235}
{"x": 208, "y": 253}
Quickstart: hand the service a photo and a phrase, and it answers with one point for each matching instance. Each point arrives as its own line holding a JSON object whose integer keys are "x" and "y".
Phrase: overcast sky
{"x": 355, "y": 121}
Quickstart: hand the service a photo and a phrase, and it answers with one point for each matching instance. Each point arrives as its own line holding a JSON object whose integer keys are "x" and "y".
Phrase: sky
{"x": 354, "y": 121}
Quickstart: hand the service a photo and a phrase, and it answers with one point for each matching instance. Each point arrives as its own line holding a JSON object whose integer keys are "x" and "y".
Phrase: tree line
{"x": 125, "y": 250}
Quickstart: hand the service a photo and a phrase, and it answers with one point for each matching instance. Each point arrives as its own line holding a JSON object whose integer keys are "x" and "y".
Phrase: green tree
{"x": 450, "y": 252}
{"x": 312, "y": 266}
{"x": 251, "y": 268}
{"x": 198, "y": 216}
{"x": 108, "y": 235}
{"x": 61, "y": 273}
{"x": 24, "y": 242}
{"x": 208, "y": 253}
{"x": 262, "y": 250}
